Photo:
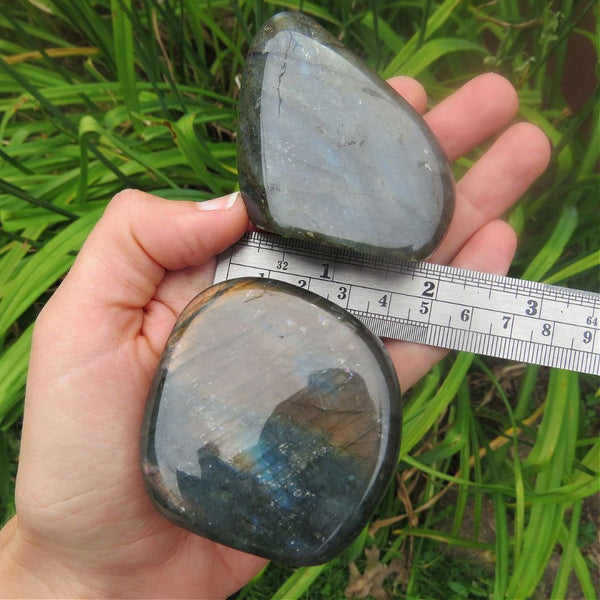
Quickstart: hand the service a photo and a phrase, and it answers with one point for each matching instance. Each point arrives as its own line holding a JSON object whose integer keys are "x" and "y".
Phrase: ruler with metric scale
{"x": 432, "y": 304}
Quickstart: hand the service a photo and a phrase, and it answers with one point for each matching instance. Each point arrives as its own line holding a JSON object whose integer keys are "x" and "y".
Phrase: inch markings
{"x": 434, "y": 304}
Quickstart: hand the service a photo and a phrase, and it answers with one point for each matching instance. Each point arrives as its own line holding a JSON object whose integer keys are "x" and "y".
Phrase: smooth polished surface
{"x": 328, "y": 151}
{"x": 273, "y": 422}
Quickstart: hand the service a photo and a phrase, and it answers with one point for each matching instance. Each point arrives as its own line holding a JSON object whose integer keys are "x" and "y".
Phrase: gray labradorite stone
{"x": 328, "y": 151}
{"x": 273, "y": 422}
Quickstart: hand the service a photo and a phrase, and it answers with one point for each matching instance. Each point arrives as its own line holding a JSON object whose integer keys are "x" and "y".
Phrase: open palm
{"x": 84, "y": 524}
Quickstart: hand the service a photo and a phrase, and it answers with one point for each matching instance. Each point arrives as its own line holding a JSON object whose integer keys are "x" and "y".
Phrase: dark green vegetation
{"x": 497, "y": 459}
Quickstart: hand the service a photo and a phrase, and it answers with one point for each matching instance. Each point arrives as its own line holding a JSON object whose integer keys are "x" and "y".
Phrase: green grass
{"x": 498, "y": 461}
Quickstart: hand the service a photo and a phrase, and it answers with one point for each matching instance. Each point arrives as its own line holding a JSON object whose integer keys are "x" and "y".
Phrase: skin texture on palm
{"x": 85, "y": 526}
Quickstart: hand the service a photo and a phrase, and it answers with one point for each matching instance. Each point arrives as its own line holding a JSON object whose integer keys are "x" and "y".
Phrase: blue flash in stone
{"x": 328, "y": 151}
{"x": 247, "y": 444}
{"x": 273, "y": 423}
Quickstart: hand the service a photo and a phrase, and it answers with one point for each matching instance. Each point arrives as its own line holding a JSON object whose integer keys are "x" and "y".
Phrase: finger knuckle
{"x": 123, "y": 202}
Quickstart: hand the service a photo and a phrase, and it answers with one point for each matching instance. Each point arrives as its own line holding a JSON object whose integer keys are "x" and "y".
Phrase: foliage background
{"x": 496, "y": 491}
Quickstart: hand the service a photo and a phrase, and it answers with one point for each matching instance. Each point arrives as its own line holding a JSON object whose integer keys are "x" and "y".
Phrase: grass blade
{"x": 555, "y": 246}
{"x": 555, "y": 458}
{"x": 43, "y": 269}
{"x": 298, "y": 583}
{"x": 416, "y": 425}
{"x": 581, "y": 265}
{"x": 13, "y": 364}
{"x": 437, "y": 19}
{"x": 124, "y": 54}
{"x": 434, "y": 50}
{"x": 568, "y": 555}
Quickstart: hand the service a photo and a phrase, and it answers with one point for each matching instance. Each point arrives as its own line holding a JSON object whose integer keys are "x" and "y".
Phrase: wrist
{"x": 27, "y": 572}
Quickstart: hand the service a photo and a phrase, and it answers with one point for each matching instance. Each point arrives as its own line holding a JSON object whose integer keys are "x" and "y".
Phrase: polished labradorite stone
{"x": 273, "y": 422}
{"x": 328, "y": 151}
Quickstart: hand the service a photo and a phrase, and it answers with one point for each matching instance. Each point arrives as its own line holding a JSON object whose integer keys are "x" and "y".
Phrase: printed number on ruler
{"x": 432, "y": 304}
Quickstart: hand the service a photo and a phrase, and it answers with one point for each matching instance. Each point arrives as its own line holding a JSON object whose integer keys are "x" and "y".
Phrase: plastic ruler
{"x": 432, "y": 304}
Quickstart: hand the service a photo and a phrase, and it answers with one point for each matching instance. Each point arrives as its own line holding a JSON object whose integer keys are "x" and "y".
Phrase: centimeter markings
{"x": 432, "y": 304}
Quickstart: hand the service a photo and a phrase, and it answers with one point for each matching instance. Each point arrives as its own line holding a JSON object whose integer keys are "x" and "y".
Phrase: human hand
{"x": 84, "y": 525}
{"x": 477, "y": 238}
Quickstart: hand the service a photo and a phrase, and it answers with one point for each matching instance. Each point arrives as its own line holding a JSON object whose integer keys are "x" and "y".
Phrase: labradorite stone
{"x": 273, "y": 422}
{"x": 328, "y": 151}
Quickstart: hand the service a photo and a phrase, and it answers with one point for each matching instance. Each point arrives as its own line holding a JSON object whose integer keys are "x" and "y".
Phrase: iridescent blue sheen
{"x": 273, "y": 423}
{"x": 328, "y": 151}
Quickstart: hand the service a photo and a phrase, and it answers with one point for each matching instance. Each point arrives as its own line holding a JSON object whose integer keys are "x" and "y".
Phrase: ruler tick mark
{"x": 506, "y": 308}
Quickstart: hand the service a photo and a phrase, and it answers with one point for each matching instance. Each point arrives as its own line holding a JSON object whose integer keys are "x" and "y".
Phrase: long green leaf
{"x": 548, "y": 433}
{"x": 416, "y": 425}
{"x": 124, "y": 53}
{"x": 434, "y": 50}
{"x": 581, "y": 265}
{"x": 555, "y": 245}
{"x": 545, "y": 518}
{"x": 298, "y": 583}
{"x": 568, "y": 556}
{"x": 13, "y": 365}
{"x": 437, "y": 19}
{"x": 43, "y": 269}
{"x": 580, "y": 567}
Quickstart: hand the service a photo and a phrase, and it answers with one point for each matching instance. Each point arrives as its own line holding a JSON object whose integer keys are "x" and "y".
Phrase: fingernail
{"x": 222, "y": 203}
